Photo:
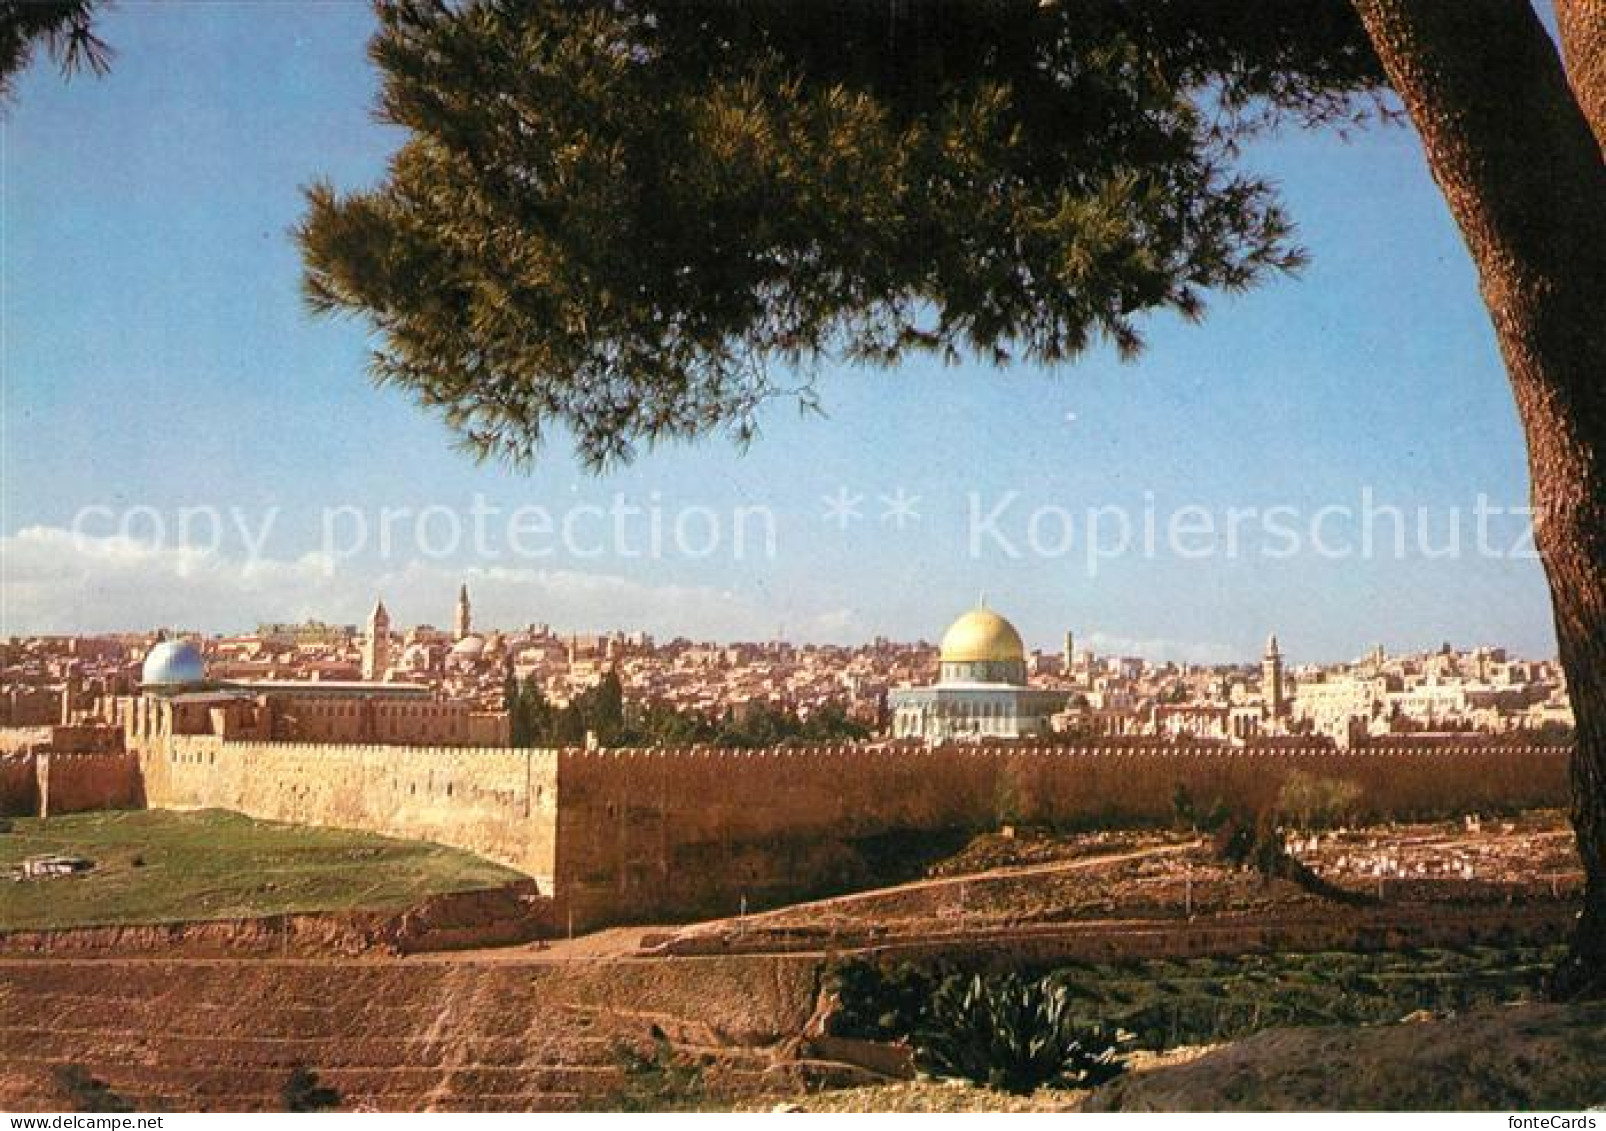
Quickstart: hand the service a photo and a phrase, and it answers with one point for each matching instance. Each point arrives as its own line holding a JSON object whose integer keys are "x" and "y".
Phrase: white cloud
{"x": 52, "y": 580}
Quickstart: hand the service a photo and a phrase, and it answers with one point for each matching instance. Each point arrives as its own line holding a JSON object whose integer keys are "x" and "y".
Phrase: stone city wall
{"x": 83, "y": 783}
{"x": 19, "y": 785}
{"x": 24, "y": 740}
{"x": 78, "y": 738}
{"x": 499, "y": 803}
{"x": 50, "y": 780}
{"x": 634, "y": 835}
{"x": 649, "y": 833}
{"x": 29, "y": 706}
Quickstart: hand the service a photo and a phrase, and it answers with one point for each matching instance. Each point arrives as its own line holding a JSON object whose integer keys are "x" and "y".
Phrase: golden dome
{"x": 981, "y": 636}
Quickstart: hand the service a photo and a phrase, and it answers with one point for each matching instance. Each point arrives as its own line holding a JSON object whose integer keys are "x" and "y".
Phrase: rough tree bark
{"x": 1582, "y": 24}
{"x": 1510, "y": 148}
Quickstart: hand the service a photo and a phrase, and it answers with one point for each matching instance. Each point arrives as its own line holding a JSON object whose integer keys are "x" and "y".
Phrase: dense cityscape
{"x": 549, "y": 684}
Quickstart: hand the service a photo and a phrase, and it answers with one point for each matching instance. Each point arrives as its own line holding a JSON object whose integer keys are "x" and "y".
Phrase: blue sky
{"x": 157, "y": 355}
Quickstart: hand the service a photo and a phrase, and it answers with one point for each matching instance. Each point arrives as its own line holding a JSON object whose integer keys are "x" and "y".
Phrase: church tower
{"x": 1070, "y": 652}
{"x": 1271, "y": 678}
{"x": 376, "y": 648}
{"x": 463, "y": 622}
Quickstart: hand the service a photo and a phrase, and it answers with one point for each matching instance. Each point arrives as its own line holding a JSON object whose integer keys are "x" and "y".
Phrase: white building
{"x": 981, "y": 688}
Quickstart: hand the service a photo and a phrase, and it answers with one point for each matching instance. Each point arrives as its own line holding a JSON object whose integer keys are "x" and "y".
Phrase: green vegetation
{"x": 1256, "y": 843}
{"x": 1310, "y": 801}
{"x": 603, "y": 712}
{"x": 1164, "y": 1003}
{"x": 87, "y": 1093}
{"x": 616, "y": 223}
{"x": 1253, "y": 838}
{"x": 656, "y": 1079}
{"x": 155, "y": 867}
{"x": 303, "y": 1092}
{"x": 1013, "y": 1035}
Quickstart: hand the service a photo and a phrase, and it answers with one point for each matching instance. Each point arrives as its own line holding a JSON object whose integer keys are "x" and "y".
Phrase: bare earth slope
{"x": 1532, "y": 1057}
{"x": 423, "y": 1033}
{"x": 542, "y": 1027}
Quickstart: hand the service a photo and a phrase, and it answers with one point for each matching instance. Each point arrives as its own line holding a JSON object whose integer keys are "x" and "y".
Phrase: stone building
{"x": 177, "y": 697}
{"x": 376, "y": 645}
{"x": 981, "y": 689}
{"x": 1271, "y": 679}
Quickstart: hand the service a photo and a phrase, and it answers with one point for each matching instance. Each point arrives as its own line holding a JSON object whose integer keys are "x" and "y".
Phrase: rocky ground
{"x": 1037, "y": 882}
{"x": 623, "y": 1020}
{"x": 1517, "y": 1058}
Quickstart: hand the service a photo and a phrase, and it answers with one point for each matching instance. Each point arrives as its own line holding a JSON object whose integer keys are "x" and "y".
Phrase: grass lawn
{"x": 156, "y": 866}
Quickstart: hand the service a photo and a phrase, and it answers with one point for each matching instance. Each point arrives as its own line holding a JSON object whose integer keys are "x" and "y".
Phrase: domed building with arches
{"x": 178, "y": 696}
{"x": 981, "y": 689}
{"x": 172, "y": 664}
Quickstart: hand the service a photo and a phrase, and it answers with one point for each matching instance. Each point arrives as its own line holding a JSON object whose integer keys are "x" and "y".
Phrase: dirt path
{"x": 715, "y": 939}
{"x": 991, "y": 875}
{"x": 618, "y": 943}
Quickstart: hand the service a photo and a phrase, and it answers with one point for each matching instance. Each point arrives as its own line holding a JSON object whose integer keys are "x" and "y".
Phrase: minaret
{"x": 69, "y": 698}
{"x": 1271, "y": 677}
{"x": 376, "y": 648}
{"x": 461, "y": 624}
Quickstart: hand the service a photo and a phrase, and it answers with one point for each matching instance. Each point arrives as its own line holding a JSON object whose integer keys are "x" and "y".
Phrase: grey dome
{"x": 173, "y": 663}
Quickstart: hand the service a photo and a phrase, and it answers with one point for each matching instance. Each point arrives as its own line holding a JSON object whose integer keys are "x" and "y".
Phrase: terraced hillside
{"x": 494, "y": 1033}
{"x": 1175, "y": 946}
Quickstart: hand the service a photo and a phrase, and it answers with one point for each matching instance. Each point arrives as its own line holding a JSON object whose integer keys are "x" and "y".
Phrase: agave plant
{"x": 1013, "y": 1035}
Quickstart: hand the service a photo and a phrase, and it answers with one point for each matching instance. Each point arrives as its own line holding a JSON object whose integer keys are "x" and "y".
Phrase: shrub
{"x": 302, "y": 1092}
{"x": 1013, "y": 1035}
{"x": 881, "y": 1002}
{"x": 86, "y": 1093}
{"x": 656, "y": 1079}
{"x": 1187, "y": 815}
{"x": 1311, "y": 801}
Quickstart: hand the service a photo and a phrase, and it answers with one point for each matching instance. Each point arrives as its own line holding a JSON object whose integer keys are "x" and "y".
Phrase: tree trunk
{"x": 1509, "y": 146}
{"x": 1583, "y": 44}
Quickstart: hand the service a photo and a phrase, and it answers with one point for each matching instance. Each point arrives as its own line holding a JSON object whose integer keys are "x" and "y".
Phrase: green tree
{"x": 569, "y": 724}
{"x": 532, "y": 722}
{"x": 830, "y": 722}
{"x": 658, "y": 724}
{"x": 1311, "y": 801}
{"x": 760, "y": 724}
{"x": 605, "y": 709}
{"x": 645, "y": 220}
{"x": 66, "y": 30}
{"x": 663, "y": 199}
